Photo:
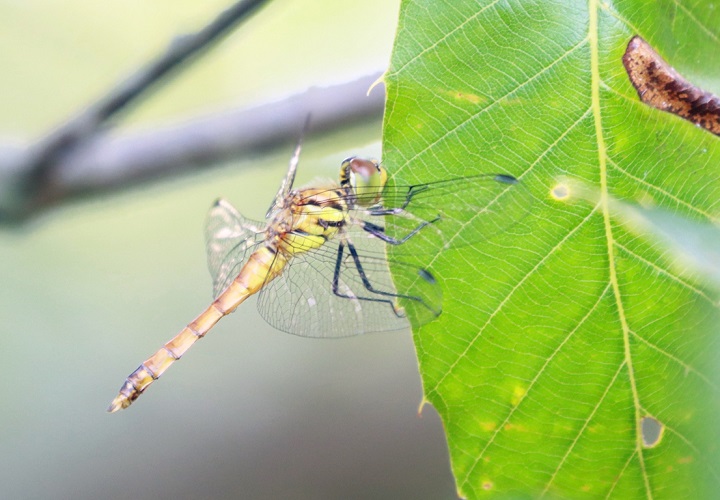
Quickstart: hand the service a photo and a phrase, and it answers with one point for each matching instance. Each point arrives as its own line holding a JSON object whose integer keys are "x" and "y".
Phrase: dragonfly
{"x": 319, "y": 262}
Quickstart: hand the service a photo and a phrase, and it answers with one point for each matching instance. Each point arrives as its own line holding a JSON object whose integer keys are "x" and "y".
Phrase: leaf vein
{"x": 582, "y": 429}
{"x": 620, "y": 474}
{"x": 700, "y": 25}
{"x": 662, "y": 191}
{"x": 509, "y": 296}
{"x": 687, "y": 366}
{"x": 666, "y": 273}
{"x": 593, "y": 37}
{"x": 534, "y": 380}
{"x": 446, "y": 36}
{"x": 494, "y": 103}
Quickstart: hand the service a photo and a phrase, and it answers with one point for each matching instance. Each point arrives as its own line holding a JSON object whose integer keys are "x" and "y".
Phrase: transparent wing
{"x": 321, "y": 295}
{"x": 335, "y": 292}
{"x": 231, "y": 238}
{"x": 466, "y": 210}
{"x": 458, "y": 212}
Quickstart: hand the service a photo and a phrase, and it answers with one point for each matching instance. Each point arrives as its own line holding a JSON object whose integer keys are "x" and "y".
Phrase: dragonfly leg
{"x": 379, "y": 231}
{"x": 412, "y": 191}
{"x": 366, "y": 283}
{"x": 370, "y": 288}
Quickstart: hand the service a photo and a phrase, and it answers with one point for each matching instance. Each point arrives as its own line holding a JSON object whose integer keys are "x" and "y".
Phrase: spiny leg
{"x": 379, "y": 231}
{"x": 369, "y": 287}
{"x": 336, "y": 284}
{"x": 366, "y": 282}
{"x": 412, "y": 191}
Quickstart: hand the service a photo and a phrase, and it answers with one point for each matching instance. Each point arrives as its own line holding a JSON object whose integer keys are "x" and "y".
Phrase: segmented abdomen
{"x": 262, "y": 266}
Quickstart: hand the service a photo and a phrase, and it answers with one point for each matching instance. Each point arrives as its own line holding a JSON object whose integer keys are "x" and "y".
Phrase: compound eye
{"x": 363, "y": 167}
{"x": 367, "y": 179}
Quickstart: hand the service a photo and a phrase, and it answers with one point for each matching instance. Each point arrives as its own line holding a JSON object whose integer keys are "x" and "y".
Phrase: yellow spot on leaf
{"x": 515, "y": 427}
{"x": 488, "y": 426}
{"x": 518, "y": 395}
{"x": 465, "y": 96}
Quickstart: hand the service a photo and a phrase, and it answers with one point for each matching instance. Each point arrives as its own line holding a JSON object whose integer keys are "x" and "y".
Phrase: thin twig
{"x": 43, "y": 155}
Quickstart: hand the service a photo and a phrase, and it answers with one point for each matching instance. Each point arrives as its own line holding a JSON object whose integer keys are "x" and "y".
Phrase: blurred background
{"x": 91, "y": 288}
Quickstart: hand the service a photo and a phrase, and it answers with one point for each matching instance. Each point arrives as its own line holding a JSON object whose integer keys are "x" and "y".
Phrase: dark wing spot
{"x": 660, "y": 86}
{"x": 425, "y": 274}
{"x": 506, "y": 179}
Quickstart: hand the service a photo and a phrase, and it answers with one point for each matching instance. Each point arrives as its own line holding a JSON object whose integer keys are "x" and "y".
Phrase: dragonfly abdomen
{"x": 262, "y": 266}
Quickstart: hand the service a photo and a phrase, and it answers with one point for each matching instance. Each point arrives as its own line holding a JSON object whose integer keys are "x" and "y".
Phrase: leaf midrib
{"x": 593, "y": 37}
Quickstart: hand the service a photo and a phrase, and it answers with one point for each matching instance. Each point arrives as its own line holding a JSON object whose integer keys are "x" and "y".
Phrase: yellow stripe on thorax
{"x": 315, "y": 220}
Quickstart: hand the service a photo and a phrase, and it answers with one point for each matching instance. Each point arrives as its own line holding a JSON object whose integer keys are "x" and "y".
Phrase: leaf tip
{"x": 381, "y": 79}
{"x": 421, "y": 406}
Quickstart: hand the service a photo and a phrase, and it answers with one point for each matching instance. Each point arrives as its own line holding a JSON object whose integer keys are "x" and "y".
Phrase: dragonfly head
{"x": 366, "y": 179}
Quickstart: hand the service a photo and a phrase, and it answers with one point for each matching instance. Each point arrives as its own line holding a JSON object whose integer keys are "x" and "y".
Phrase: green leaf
{"x": 567, "y": 335}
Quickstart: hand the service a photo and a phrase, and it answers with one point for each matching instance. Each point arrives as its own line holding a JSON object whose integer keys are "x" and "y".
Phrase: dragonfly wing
{"x": 462, "y": 211}
{"x": 289, "y": 179}
{"x": 231, "y": 238}
{"x": 305, "y": 301}
{"x": 433, "y": 216}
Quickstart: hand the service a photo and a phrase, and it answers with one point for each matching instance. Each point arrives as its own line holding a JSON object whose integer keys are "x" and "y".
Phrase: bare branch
{"x": 114, "y": 161}
{"x": 109, "y": 162}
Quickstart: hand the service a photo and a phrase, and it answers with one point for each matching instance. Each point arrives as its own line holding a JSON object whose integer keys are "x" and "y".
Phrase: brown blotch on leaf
{"x": 661, "y": 87}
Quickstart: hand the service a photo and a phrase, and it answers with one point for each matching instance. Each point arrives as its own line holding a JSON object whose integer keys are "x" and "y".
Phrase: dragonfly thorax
{"x": 310, "y": 218}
